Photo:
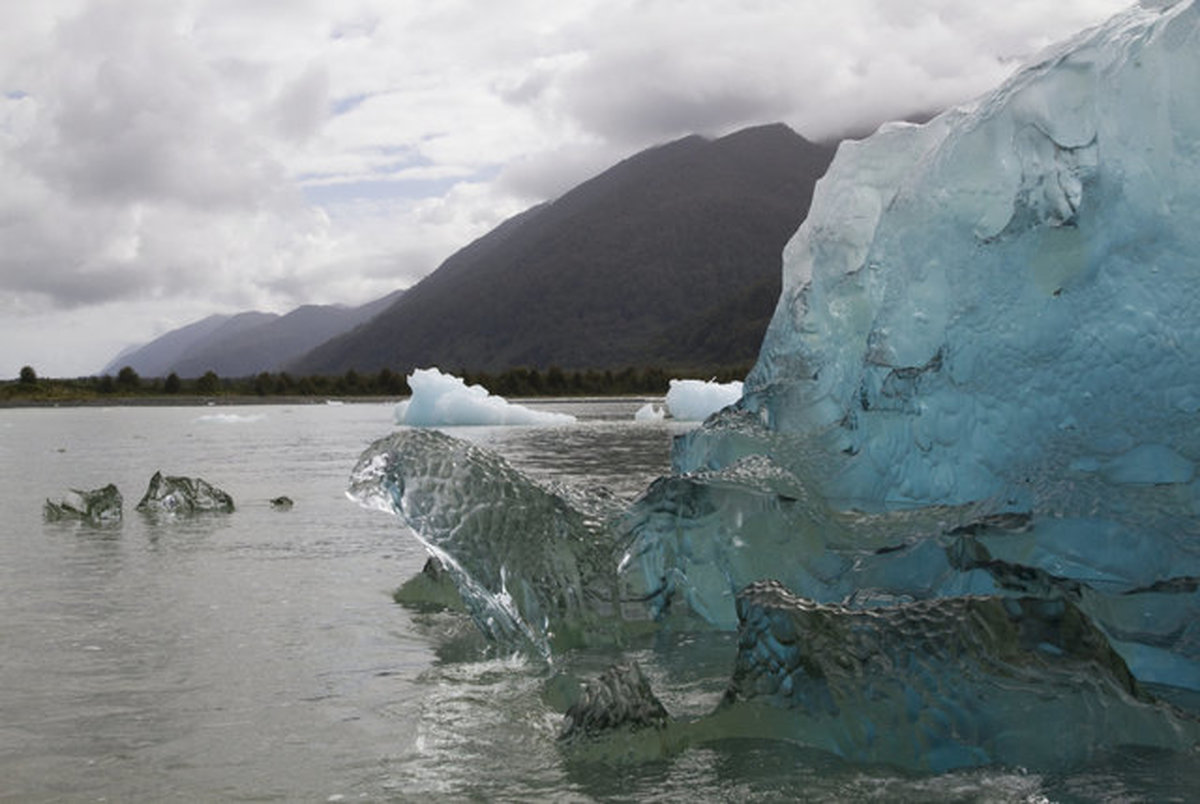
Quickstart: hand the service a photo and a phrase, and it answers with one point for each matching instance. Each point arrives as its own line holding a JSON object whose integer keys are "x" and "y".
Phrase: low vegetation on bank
{"x": 128, "y": 387}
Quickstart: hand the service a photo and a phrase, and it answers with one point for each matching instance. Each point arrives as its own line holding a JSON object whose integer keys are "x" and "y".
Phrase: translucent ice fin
{"x": 535, "y": 564}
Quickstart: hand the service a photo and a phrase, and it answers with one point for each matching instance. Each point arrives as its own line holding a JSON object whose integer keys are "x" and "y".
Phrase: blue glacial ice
{"x": 977, "y": 402}
{"x": 1002, "y": 304}
{"x": 443, "y": 400}
{"x": 995, "y": 313}
{"x": 940, "y": 684}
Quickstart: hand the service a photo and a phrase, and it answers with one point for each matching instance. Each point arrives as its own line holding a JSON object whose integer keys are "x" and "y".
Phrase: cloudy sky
{"x": 162, "y": 160}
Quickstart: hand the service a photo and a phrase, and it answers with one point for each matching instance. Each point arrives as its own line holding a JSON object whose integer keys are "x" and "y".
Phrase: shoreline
{"x": 192, "y": 401}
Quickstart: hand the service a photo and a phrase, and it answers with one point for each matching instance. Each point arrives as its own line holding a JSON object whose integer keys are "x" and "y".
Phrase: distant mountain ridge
{"x": 246, "y": 343}
{"x": 158, "y": 357}
{"x": 671, "y": 258}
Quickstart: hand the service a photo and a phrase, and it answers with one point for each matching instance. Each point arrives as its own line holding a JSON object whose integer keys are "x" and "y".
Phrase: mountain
{"x": 247, "y": 343}
{"x": 274, "y": 343}
{"x": 159, "y": 357}
{"x": 671, "y": 257}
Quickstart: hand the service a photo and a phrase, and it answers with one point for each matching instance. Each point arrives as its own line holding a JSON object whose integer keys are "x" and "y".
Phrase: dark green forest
{"x": 128, "y": 387}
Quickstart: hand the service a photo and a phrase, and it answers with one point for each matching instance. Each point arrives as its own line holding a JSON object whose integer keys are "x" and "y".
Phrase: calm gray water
{"x": 259, "y": 656}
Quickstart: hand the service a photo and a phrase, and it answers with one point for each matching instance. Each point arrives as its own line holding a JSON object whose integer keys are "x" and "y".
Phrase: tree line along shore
{"x": 129, "y": 388}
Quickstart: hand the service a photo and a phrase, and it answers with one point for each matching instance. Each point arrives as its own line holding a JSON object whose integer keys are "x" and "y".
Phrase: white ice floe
{"x": 443, "y": 400}
{"x": 696, "y": 400}
{"x": 650, "y": 412}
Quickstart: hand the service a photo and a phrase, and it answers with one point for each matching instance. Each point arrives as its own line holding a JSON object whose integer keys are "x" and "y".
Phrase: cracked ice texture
{"x": 995, "y": 312}
{"x": 534, "y": 562}
{"x": 1004, "y": 304}
{"x": 945, "y": 683}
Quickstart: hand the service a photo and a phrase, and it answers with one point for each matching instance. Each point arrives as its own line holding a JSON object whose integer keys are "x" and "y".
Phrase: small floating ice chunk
{"x": 445, "y": 400}
{"x": 650, "y": 412}
{"x": 97, "y": 506}
{"x": 183, "y": 495}
{"x": 696, "y": 400}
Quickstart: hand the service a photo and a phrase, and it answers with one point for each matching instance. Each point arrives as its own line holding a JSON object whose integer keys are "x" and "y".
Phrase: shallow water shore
{"x": 190, "y": 401}
{"x": 167, "y": 401}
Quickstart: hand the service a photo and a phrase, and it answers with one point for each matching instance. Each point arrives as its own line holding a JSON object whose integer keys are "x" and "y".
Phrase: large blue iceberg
{"x": 968, "y": 447}
{"x": 1002, "y": 304}
{"x": 998, "y": 313}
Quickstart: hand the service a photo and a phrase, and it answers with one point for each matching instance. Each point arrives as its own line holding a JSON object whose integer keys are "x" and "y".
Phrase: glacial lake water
{"x": 260, "y": 656}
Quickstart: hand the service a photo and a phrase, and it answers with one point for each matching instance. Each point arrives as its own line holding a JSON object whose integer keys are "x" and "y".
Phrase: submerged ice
{"x": 918, "y": 639}
{"x": 968, "y": 448}
{"x": 941, "y": 684}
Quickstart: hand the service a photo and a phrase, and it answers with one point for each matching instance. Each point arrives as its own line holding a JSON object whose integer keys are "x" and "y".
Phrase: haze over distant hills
{"x": 246, "y": 343}
{"x": 670, "y": 258}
